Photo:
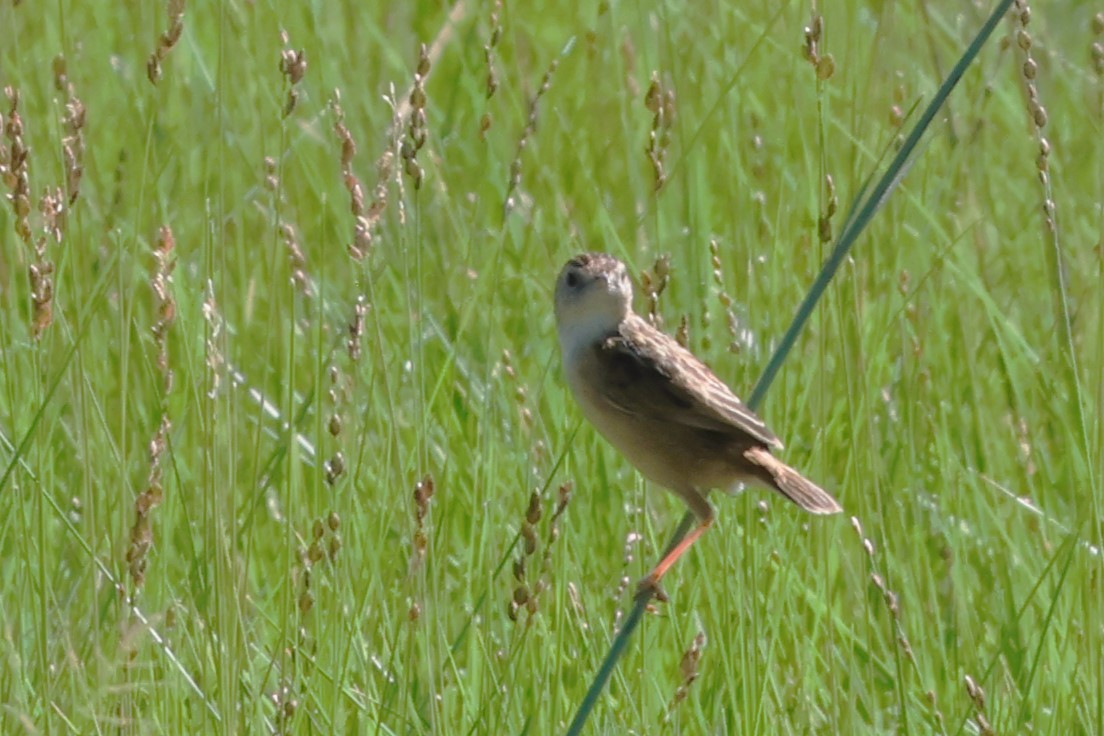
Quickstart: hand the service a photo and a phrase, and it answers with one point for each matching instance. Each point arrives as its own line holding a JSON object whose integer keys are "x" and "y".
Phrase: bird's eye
{"x": 572, "y": 279}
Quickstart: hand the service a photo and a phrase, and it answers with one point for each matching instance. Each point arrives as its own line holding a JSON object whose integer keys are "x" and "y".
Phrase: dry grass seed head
{"x": 293, "y": 66}
{"x": 653, "y": 282}
{"x": 563, "y": 498}
{"x": 141, "y": 533}
{"x": 524, "y": 594}
{"x": 682, "y": 333}
{"x": 417, "y": 129}
{"x": 335, "y": 424}
{"x": 633, "y": 539}
{"x": 533, "y": 513}
{"x": 72, "y": 144}
{"x": 286, "y": 705}
{"x": 521, "y": 398}
{"x": 42, "y": 297}
{"x": 977, "y": 695}
{"x": 167, "y": 40}
{"x": 271, "y": 177}
{"x": 1037, "y": 113}
{"x": 813, "y": 33}
{"x": 975, "y": 691}
{"x": 15, "y": 173}
{"x": 489, "y": 56}
{"x": 933, "y": 707}
{"x": 526, "y": 134}
{"x": 831, "y": 204}
{"x": 738, "y": 337}
{"x": 356, "y": 328}
{"x": 335, "y": 466}
{"x": 423, "y": 492}
{"x": 52, "y": 210}
{"x": 164, "y": 301}
{"x": 325, "y": 544}
{"x": 823, "y": 64}
{"x": 365, "y": 218}
{"x": 296, "y": 259}
{"x": 688, "y": 667}
{"x": 660, "y": 101}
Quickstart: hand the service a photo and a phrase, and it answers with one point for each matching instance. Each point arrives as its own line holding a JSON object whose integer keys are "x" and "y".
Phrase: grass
{"x": 947, "y": 390}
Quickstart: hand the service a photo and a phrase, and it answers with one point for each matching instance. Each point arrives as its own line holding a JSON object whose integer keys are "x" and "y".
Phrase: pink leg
{"x": 650, "y": 584}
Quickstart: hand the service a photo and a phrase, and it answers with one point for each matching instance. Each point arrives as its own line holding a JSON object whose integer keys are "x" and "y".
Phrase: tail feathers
{"x": 792, "y": 484}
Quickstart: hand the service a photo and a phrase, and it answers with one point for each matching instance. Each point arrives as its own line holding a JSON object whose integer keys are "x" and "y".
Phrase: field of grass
{"x": 255, "y": 480}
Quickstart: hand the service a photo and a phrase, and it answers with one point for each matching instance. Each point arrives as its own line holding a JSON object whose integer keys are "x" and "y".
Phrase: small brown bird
{"x": 660, "y": 406}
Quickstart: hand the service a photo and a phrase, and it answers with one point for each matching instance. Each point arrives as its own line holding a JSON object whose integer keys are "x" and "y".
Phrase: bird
{"x": 679, "y": 424}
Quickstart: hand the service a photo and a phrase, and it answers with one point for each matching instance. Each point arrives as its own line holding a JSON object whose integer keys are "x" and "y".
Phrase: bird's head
{"x": 593, "y": 296}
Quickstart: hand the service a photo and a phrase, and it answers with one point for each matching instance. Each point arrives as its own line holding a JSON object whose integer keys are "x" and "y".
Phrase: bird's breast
{"x": 667, "y": 453}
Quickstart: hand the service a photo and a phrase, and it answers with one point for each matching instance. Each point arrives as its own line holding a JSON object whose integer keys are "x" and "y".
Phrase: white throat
{"x": 582, "y": 331}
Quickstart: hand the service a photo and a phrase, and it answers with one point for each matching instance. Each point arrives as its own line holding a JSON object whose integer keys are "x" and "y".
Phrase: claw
{"x": 649, "y": 588}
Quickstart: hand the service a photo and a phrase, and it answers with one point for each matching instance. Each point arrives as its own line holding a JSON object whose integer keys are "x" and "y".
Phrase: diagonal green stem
{"x": 862, "y": 211}
{"x": 865, "y": 209}
{"x": 622, "y": 639}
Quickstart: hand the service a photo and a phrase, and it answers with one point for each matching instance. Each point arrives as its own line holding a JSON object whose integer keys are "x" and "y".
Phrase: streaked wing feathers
{"x": 646, "y": 373}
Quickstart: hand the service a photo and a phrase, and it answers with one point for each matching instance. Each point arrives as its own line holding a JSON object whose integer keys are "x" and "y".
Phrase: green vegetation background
{"x": 948, "y": 390}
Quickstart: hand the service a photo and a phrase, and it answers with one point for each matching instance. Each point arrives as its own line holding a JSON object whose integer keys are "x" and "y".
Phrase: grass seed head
{"x": 72, "y": 144}
{"x": 417, "y": 129}
{"x": 335, "y": 466}
{"x": 813, "y": 31}
{"x": 293, "y": 64}
{"x": 682, "y": 333}
{"x": 527, "y": 133}
{"x": 356, "y": 328}
{"x": 660, "y": 101}
{"x": 533, "y": 514}
{"x": 167, "y": 40}
{"x": 688, "y": 667}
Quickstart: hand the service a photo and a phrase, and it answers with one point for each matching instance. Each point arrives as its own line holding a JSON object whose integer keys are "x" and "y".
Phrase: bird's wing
{"x": 646, "y": 373}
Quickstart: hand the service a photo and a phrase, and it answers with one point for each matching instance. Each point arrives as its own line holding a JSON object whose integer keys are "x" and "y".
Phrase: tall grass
{"x": 293, "y": 578}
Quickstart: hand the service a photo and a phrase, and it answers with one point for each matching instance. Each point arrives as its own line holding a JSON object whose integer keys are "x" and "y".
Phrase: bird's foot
{"x": 649, "y": 588}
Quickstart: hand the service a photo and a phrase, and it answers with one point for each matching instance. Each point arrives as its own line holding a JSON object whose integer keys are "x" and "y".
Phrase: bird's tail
{"x": 792, "y": 484}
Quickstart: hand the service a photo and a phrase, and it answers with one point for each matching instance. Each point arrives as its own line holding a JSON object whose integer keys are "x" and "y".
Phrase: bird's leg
{"x": 649, "y": 585}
